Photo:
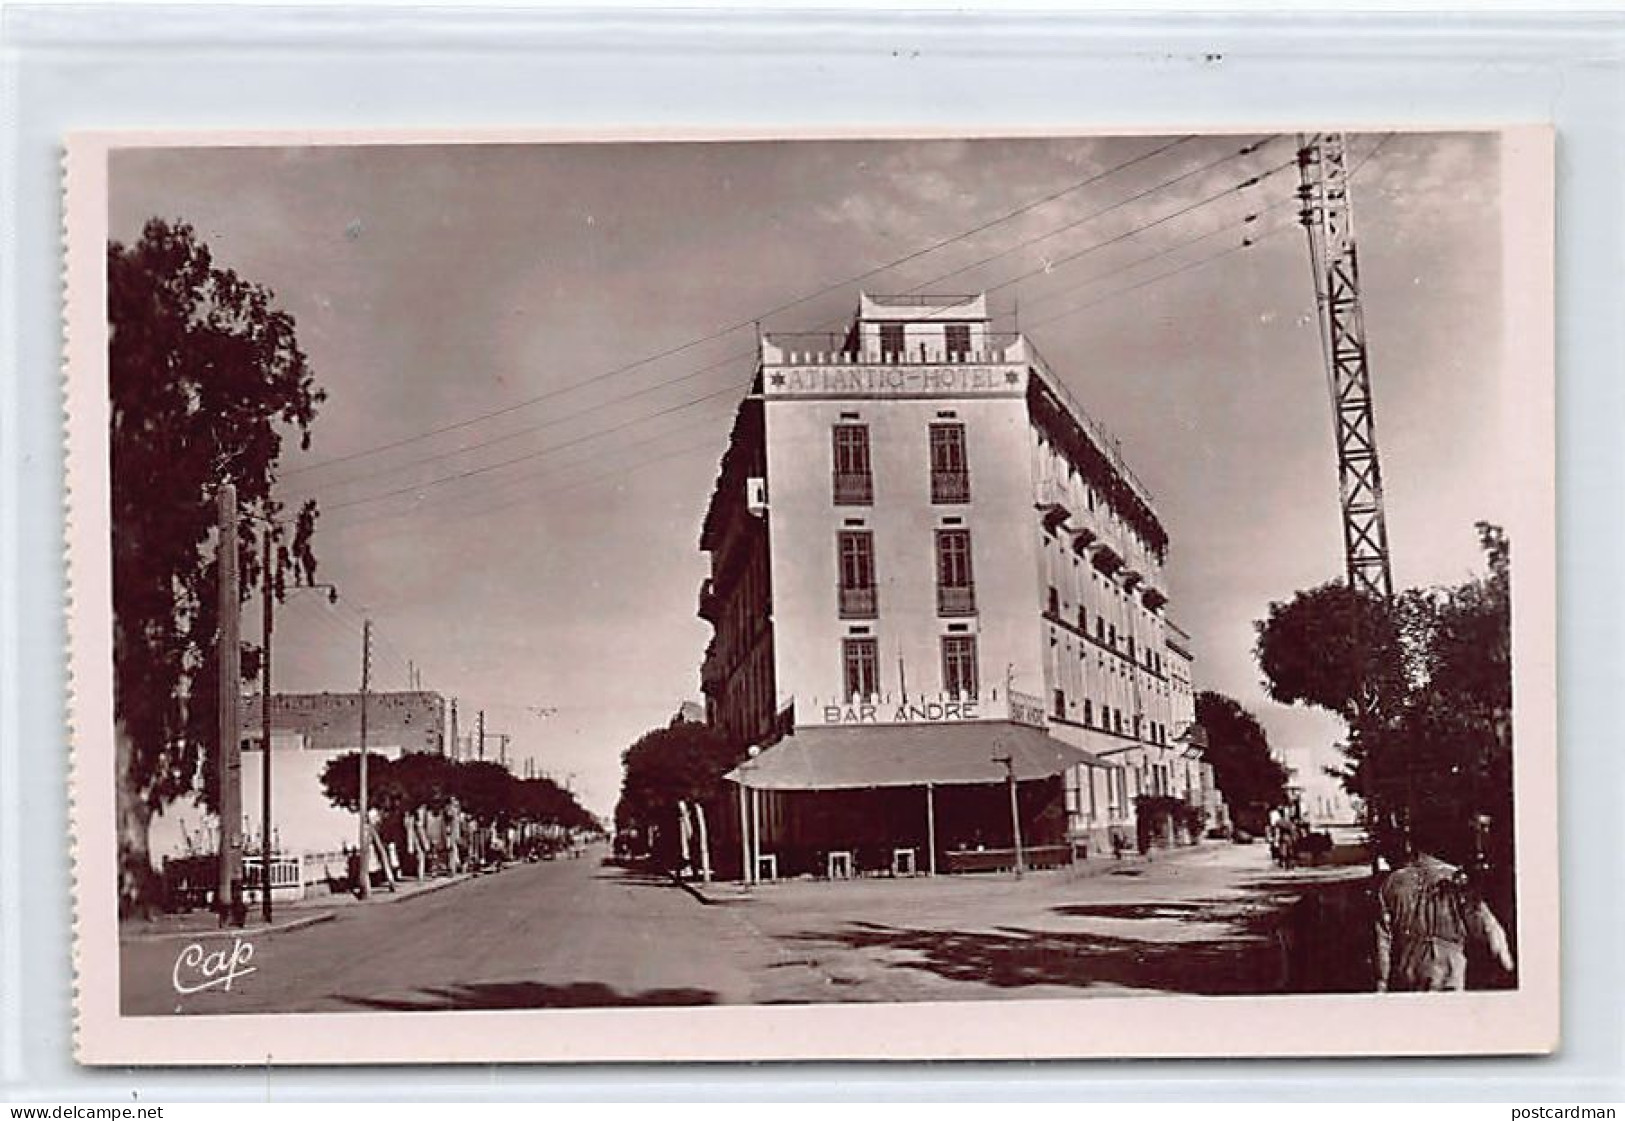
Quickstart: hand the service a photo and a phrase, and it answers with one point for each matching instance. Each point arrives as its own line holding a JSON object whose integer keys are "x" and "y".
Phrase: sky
{"x": 532, "y": 354}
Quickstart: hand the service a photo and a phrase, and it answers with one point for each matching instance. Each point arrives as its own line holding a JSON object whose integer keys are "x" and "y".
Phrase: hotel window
{"x": 956, "y": 591}
{"x": 959, "y": 665}
{"x": 854, "y": 481}
{"x": 1060, "y": 703}
{"x": 1083, "y": 620}
{"x": 857, "y": 574}
{"x": 891, "y": 339}
{"x": 950, "y": 472}
{"x": 1131, "y": 648}
{"x": 1053, "y": 606}
{"x": 1088, "y": 712}
{"x": 861, "y": 659}
{"x": 958, "y": 339}
{"x": 1100, "y": 628}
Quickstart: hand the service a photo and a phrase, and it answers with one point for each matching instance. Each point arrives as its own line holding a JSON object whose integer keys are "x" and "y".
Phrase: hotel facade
{"x": 939, "y": 608}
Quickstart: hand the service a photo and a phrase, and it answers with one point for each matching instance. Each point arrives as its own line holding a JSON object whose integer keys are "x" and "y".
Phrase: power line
{"x": 709, "y": 445}
{"x": 1168, "y": 275}
{"x": 740, "y": 325}
{"x": 602, "y": 458}
{"x": 486, "y": 468}
{"x": 1117, "y": 293}
{"x": 1245, "y": 151}
{"x": 1245, "y": 244}
{"x": 1047, "y": 268}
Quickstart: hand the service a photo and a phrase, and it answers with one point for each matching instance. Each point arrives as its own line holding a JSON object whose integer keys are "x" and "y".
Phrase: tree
{"x": 204, "y": 377}
{"x": 1238, "y": 749}
{"x": 1428, "y": 706}
{"x": 386, "y": 794}
{"x": 487, "y": 792}
{"x": 684, "y": 762}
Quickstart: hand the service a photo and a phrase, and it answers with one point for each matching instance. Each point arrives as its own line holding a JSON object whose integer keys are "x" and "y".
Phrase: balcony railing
{"x": 859, "y": 603}
{"x": 956, "y": 600}
{"x": 854, "y": 489}
{"x": 823, "y": 349}
{"x": 950, "y": 486}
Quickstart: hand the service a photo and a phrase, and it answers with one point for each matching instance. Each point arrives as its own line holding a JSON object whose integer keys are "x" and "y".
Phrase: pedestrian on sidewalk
{"x": 1429, "y": 917}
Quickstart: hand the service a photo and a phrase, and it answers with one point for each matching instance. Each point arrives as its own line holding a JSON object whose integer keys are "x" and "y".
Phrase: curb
{"x": 238, "y": 931}
{"x": 428, "y": 890}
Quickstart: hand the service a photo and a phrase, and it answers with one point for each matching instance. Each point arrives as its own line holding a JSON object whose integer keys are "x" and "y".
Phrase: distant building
{"x": 689, "y": 712}
{"x": 407, "y": 721}
{"x": 309, "y": 730}
{"x": 926, "y": 557}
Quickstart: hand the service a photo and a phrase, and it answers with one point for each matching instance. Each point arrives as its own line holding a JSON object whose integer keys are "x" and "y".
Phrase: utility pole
{"x": 268, "y": 591}
{"x": 364, "y": 864}
{"x": 1015, "y": 813}
{"x": 229, "y": 885}
{"x": 456, "y": 811}
{"x": 482, "y": 733}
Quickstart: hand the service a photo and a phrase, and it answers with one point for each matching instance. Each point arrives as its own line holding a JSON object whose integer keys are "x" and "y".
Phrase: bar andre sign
{"x": 1015, "y": 707}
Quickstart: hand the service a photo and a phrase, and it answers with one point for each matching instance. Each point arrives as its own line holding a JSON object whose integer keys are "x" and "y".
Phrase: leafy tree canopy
{"x": 682, "y": 762}
{"x": 1239, "y": 750}
{"x": 205, "y": 377}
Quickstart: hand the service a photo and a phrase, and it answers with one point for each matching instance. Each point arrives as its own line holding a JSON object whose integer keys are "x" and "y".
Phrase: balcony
{"x": 710, "y": 604}
{"x": 984, "y": 348}
{"x": 859, "y": 603}
{"x": 950, "y": 487}
{"x": 854, "y": 489}
{"x": 1082, "y": 538}
{"x": 1106, "y": 558}
{"x": 1153, "y": 597}
{"x": 956, "y": 600}
{"x": 1053, "y": 503}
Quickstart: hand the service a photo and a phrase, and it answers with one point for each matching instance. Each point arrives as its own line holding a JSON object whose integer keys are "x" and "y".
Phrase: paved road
{"x": 565, "y": 933}
{"x": 577, "y": 933}
{"x": 1214, "y": 921}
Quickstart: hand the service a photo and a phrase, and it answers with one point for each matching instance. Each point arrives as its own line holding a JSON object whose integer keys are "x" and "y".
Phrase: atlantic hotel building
{"x": 939, "y": 608}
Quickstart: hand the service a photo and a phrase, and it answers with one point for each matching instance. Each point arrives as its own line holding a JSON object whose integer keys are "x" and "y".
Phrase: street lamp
{"x": 1015, "y": 814}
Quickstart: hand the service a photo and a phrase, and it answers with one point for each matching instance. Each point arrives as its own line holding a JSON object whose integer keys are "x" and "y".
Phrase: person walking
{"x": 1428, "y": 918}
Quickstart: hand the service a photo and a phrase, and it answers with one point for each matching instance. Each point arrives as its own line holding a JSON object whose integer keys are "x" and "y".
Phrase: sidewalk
{"x": 923, "y": 887}
{"x": 294, "y": 914}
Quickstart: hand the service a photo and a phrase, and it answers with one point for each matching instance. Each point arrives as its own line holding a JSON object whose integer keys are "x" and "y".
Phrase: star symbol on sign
{"x": 778, "y": 379}
{"x": 1010, "y": 377}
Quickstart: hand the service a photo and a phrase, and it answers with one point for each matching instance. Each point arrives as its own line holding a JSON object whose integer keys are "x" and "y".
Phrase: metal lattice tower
{"x": 1324, "y": 210}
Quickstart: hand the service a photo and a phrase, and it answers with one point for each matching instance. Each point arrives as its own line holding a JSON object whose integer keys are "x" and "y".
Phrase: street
{"x": 578, "y": 933}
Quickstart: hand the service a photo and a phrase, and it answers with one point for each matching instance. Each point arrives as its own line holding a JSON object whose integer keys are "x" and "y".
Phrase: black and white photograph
{"x": 795, "y": 595}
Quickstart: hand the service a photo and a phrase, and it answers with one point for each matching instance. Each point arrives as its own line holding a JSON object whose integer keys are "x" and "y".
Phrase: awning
{"x": 853, "y": 758}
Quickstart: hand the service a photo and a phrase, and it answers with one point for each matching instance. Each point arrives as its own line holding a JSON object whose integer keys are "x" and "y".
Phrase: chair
{"x": 839, "y": 865}
{"x": 902, "y": 862}
{"x": 767, "y": 867}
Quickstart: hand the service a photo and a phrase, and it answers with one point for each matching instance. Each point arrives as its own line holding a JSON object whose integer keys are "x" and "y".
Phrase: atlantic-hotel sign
{"x": 948, "y": 380}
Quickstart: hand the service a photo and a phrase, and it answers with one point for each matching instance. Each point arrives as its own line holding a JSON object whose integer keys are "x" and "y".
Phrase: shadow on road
{"x": 531, "y": 994}
{"x": 1013, "y": 957}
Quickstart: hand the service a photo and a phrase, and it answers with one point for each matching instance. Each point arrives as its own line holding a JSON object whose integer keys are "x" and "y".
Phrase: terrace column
{"x": 931, "y": 828}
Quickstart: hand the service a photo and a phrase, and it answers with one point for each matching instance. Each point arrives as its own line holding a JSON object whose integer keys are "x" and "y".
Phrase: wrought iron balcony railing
{"x": 950, "y": 486}
{"x": 859, "y": 603}
{"x": 956, "y": 600}
{"x": 853, "y": 489}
